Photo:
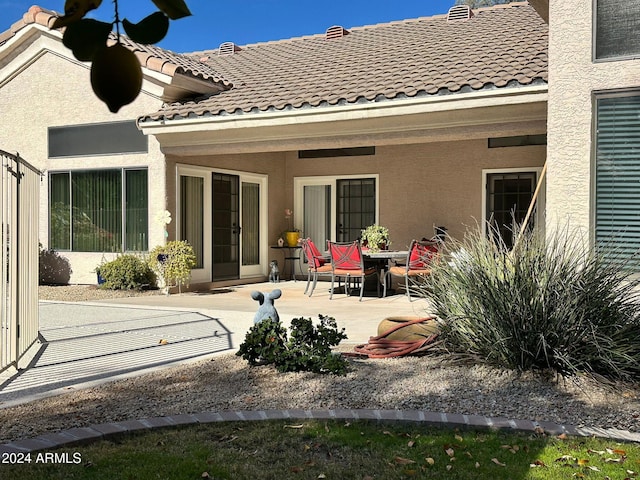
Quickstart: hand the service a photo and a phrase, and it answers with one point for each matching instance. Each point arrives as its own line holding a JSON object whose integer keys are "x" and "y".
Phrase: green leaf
{"x": 174, "y": 9}
{"x": 149, "y": 30}
{"x": 85, "y": 37}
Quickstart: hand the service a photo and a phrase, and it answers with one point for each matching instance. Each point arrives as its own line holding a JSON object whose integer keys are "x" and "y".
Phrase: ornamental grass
{"x": 549, "y": 302}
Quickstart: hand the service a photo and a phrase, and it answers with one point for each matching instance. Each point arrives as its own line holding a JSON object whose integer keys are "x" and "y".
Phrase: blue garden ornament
{"x": 267, "y": 308}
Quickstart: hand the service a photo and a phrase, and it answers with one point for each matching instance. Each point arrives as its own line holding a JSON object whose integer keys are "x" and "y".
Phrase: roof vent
{"x": 336, "y": 32}
{"x": 459, "y": 12}
{"x": 228, "y": 48}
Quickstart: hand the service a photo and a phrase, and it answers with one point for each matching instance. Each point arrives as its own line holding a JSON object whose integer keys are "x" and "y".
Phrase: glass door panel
{"x": 356, "y": 207}
{"x": 250, "y": 224}
{"x": 317, "y": 214}
{"x": 508, "y": 199}
{"x": 226, "y": 226}
{"x": 192, "y": 215}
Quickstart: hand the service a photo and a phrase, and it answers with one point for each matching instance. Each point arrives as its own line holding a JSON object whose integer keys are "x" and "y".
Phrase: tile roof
{"x": 498, "y": 47}
{"x": 151, "y": 57}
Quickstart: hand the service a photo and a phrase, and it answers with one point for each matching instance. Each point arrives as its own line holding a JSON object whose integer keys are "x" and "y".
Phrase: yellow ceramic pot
{"x": 292, "y": 238}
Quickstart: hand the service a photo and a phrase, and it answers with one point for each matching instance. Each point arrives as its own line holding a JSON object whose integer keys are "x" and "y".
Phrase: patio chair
{"x": 419, "y": 259}
{"x": 347, "y": 262}
{"x": 316, "y": 264}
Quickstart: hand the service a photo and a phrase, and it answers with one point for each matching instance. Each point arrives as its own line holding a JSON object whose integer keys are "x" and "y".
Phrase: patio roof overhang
{"x": 482, "y": 114}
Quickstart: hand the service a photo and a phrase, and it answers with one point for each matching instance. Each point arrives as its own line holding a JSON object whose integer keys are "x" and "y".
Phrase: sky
{"x": 247, "y": 21}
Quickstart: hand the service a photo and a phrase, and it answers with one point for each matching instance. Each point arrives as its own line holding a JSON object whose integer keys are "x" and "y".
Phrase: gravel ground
{"x": 427, "y": 383}
{"x": 431, "y": 383}
{"x": 87, "y": 293}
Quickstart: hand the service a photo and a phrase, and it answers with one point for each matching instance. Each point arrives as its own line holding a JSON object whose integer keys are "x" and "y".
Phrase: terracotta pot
{"x": 416, "y": 331}
{"x": 292, "y": 238}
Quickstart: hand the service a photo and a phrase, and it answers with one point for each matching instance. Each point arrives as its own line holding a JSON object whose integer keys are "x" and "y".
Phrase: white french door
{"x": 335, "y": 208}
{"x": 223, "y": 215}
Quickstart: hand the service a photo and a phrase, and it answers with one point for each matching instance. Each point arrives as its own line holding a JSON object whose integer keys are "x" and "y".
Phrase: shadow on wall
{"x": 54, "y": 269}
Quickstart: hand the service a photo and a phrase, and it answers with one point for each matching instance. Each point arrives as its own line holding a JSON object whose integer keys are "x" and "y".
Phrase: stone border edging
{"x": 85, "y": 435}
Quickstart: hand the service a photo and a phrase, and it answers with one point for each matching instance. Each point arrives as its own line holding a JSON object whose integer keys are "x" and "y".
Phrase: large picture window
{"x": 617, "y": 167}
{"x": 617, "y": 23}
{"x": 99, "y": 210}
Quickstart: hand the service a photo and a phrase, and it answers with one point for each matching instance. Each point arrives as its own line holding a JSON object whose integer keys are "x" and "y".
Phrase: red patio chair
{"x": 419, "y": 259}
{"x": 347, "y": 262}
{"x": 316, "y": 263}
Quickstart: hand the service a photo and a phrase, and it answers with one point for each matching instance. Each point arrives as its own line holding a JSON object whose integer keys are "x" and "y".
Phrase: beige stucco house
{"x": 431, "y": 121}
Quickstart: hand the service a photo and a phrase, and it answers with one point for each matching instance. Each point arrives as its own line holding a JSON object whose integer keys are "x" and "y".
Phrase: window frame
{"x": 123, "y": 206}
{"x": 597, "y": 95}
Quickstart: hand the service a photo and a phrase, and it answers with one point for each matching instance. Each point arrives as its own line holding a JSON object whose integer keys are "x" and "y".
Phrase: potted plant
{"x": 375, "y": 237}
{"x": 172, "y": 263}
{"x": 291, "y": 235}
{"x": 100, "y": 278}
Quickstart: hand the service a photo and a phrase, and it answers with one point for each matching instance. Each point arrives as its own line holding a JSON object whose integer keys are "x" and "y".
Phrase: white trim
{"x": 541, "y": 201}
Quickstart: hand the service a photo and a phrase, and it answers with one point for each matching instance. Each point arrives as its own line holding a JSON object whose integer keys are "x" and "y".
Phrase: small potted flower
{"x": 292, "y": 235}
{"x": 375, "y": 237}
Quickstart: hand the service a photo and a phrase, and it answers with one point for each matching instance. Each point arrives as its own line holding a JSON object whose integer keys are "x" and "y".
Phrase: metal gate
{"x": 19, "y": 202}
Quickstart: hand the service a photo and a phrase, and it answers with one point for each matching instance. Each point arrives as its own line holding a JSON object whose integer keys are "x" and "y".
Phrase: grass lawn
{"x": 333, "y": 450}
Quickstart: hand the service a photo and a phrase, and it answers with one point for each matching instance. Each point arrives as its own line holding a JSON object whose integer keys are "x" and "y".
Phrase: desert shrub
{"x": 308, "y": 348}
{"x": 173, "y": 262}
{"x": 126, "y": 272}
{"x": 53, "y": 268}
{"x": 547, "y": 303}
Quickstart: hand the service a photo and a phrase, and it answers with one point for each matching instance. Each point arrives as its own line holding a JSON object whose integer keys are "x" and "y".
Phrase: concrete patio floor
{"x": 88, "y": 343}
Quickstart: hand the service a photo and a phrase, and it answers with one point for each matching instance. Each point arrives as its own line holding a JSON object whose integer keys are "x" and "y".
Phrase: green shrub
{"x": 307, "y": 349}
{"x": 545, "y": 304}
{"x": 126, "y": 272}
{"x": 173, "y": 262}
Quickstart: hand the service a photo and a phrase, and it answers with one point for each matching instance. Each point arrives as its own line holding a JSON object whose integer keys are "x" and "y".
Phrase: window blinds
{"x": 617, "y": 206}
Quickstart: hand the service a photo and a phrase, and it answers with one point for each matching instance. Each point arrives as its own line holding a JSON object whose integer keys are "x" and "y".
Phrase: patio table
{"x": 380, "y": 259}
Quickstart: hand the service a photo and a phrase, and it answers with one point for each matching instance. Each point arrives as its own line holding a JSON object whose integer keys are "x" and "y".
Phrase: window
{"x": 337, "y": 152}
{"x": 96, "y": 139}
{"x": 617, "y": 168}
{"x": 99, "y": 210}
{"x": 517, "y": 141}
{"x": 617, "y": 26}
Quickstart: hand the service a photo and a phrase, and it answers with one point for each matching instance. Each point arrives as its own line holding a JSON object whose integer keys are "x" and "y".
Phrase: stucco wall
{"x": 574, "y": 77}
{"x": 427, "y": 184}
{"x": 51, "y": 89}
{"x": 420, "y": 185}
